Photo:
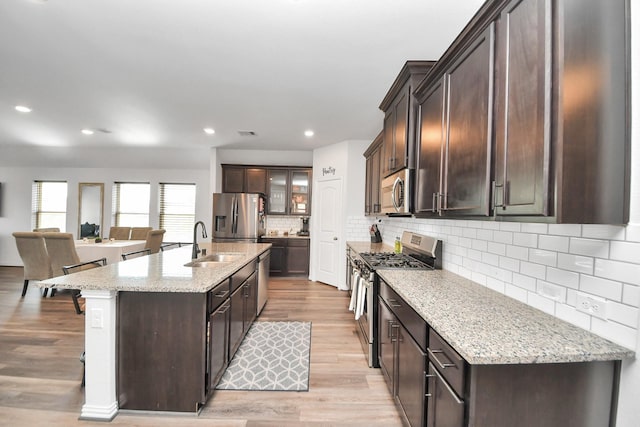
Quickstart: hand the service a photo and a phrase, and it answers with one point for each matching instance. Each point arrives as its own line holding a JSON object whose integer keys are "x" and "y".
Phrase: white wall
{"x": 344, "y": 160}
{"x": 15, "y": 206}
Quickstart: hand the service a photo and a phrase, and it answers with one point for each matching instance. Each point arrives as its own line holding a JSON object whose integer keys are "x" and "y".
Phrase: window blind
{"x": 177, "y": 211}
{"x": 131, "y": 204}
{"x": 49, "y": 204}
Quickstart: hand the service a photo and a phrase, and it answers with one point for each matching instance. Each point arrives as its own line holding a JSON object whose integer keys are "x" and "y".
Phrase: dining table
{"x": 112, "y": 250}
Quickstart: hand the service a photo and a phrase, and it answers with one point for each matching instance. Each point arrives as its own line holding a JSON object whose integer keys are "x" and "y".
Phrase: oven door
{"x": 367, "y": 324}
{"x": 396, "y": 193}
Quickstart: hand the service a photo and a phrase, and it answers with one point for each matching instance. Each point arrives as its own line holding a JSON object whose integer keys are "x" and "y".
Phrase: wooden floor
{"x": 41, "y": 341}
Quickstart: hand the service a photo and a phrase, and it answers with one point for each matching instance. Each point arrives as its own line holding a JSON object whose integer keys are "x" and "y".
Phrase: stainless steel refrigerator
{"x": 238, "y": 217}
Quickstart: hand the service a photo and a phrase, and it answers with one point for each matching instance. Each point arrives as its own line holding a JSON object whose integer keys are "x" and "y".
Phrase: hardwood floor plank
{"x": 41, "y": 340}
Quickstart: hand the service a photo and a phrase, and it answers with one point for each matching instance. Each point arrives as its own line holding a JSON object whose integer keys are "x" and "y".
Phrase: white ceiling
{"x": 154, "y": 73}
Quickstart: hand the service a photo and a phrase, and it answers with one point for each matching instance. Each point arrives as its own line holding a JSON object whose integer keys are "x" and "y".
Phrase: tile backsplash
{"x": 281, "y": 223}
{"x": 548, "y": 266}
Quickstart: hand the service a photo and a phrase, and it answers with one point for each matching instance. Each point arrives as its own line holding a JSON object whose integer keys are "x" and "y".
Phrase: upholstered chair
{"x": 152, "y": 245}
{"x": 139, "y": 233}
{"x": 65, "y": 260}
{"x": 36, "y": 261}
{"x": 119, "y": 233}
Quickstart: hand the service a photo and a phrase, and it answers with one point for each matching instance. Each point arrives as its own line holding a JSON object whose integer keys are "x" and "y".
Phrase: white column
{"x": 101, "y": 402}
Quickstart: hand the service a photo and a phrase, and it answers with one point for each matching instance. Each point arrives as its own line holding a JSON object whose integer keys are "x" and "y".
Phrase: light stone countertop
{"x": 161, "y": 272}
{"x": 486, "y": 327}
{"x": 369, "y": 247}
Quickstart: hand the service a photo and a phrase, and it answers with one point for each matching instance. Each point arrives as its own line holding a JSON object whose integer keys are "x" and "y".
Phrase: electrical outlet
{"x": 97, "y": 318}
{"x": 592, "y": 305}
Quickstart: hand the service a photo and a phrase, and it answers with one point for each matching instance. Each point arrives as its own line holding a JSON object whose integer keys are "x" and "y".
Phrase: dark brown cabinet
{"x": 562, "y": 139}
{"x": 399, "y": 107}
{"x": 523, "y": 101}
{"x": 289, "y": 256}
{"x": 401, "y": 358}
{"x": 289, "y": 191}
{"x": 456, "y": 109}
{"x": 218, "y": 343}
{"x": 244, "y": 179}
{"x": 373, "y": 178}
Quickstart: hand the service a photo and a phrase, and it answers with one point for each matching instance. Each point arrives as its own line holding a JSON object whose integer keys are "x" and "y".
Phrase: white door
{"x": 329, "y": 230}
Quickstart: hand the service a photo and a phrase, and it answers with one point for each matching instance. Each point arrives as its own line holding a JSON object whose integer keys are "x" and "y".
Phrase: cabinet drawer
{"x": 447, "y": 361}
{"x": 217, "y": 296}
{"x": 298, "y": 242}
{"x": 413, "y": 323}
{"x": 242, "y": 275}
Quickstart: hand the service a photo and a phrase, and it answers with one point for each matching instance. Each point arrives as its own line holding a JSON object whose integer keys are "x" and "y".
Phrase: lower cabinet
{"x": 434, "y": 386}
{"x": 289, "y": 256}
{"x": 173, "y": 347}
{"x": 401, "y": 358}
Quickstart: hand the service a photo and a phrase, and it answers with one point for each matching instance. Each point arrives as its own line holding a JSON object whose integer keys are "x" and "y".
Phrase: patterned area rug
{"x": 273, "y": 356}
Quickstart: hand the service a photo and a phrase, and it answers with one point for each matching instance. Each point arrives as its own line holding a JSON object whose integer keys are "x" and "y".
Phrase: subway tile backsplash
{"x": 543, "y": 265}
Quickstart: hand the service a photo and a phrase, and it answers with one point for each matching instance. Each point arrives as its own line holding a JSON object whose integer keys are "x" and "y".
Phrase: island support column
{"x": 101, "y": 402}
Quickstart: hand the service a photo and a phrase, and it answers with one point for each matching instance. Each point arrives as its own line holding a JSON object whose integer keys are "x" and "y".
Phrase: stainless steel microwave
{"x": 396, "y": 193}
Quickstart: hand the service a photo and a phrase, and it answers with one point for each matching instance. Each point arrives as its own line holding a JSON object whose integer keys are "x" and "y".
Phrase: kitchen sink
{"x": 214, "y": 260}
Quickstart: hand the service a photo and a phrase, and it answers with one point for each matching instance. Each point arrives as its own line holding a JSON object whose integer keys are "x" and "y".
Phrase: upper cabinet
{"x": 242, "y": 179}
{"x": 525, "y": 117}
{"x": 373, "y": 179}
{"x": 399, "y": 109}
{"x": 454, "y": 149}
{"x": 289, "y": 191}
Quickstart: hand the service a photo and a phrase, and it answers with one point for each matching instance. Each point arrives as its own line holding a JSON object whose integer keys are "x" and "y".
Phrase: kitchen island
{"x": 148, "y": 326}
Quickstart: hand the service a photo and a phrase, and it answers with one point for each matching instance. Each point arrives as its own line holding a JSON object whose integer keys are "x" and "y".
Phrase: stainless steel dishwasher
{"x": 263, "y": 279}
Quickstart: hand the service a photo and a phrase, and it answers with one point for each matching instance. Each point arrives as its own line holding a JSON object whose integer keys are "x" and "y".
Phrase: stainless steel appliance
{"x": 264, "y": 261}
{"x": 396, "y": 193}
{"x": 418, "y": 252}
{"x": 238, "y": 217}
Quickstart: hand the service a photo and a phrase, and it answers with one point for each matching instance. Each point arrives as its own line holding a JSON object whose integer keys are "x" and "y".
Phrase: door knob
{"x": 335, "y": 238}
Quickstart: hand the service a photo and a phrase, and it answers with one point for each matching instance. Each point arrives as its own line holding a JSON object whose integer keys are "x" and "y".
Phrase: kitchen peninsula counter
{"x": 162, "y": 272}
{"x": 155, "y": 327}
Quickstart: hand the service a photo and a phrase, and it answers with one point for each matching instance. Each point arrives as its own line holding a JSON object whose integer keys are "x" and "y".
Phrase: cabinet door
{"x": 298, "y": 257}
{"x": 430, "y": 146}
{"x": 387, "y": 331}
{"x": 256, "y": 180}
{"x": 236, "y": 321}
{"x": 468, "y": 154}
{"x": 411, "y": 378}
{"x": 367, "y": 186}
{"x": 400, "y": 127}
{"x": 387, "y": 142}
{"x": 300, "y": 192}
{"x": 522, "y": 109}
{"x": 232, "y": 180}
{"x": 251, "y": 301}
{"x": 444, "y": 408}
{"x": 218, "y": 343}
{"x": 277, "y": 264}
{"x": 375, "y": 181}
{"x": 278, "y": 190}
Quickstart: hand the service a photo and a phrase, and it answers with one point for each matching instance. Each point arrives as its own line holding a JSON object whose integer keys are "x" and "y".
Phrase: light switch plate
{"x": 97, "y": 319}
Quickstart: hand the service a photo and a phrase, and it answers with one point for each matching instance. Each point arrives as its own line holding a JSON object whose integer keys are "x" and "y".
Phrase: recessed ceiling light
{"x": 87, "y": 131}
{"x": 23, "y": 109}
{"x": 308, "y": 133}
{"x": 209, "y": 131}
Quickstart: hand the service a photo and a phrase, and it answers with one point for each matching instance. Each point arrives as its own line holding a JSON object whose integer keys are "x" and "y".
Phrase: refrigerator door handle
{"x": 234, "y": 215}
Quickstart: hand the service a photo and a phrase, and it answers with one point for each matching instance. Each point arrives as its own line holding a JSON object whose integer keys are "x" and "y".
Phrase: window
{"x": 49, "y": 204}
{"x": 177, "y": 211}
{"x": 131, "y": 204}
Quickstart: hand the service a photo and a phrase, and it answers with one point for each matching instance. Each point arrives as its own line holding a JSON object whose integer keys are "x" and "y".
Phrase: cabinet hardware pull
{"x": 442, "y": 365}
{"x": 449, "y": 389}
{"x": 434, "y": 199}
{"x": 389, "y": 324}
{"x": 427, "y": 395}
{"x": 395, "y": 305}
{"x": 221, "y": 294}
{"x": 226, "y": 308}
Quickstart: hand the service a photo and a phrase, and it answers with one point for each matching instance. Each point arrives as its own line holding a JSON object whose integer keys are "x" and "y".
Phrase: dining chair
{"x": 139, "y": 233}
{"x": 65, "y": 259}
{"x": 151, "y": 246}
{"x": 47, "y": 229}
{"x": 119, "y": 233}
{"x": 36, "y": 261}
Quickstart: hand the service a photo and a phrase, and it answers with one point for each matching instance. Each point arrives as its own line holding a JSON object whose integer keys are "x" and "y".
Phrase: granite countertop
{"x": 161, "y": 272}
{"x": 369, "y": 247}
{"x": 487, "y": 327}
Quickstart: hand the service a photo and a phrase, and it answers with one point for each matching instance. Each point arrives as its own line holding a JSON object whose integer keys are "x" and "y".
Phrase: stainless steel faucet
{"x": 196, "y": 249}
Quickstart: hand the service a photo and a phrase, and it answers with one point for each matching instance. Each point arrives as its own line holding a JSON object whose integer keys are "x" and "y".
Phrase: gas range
{"x": 392, "y": 260}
